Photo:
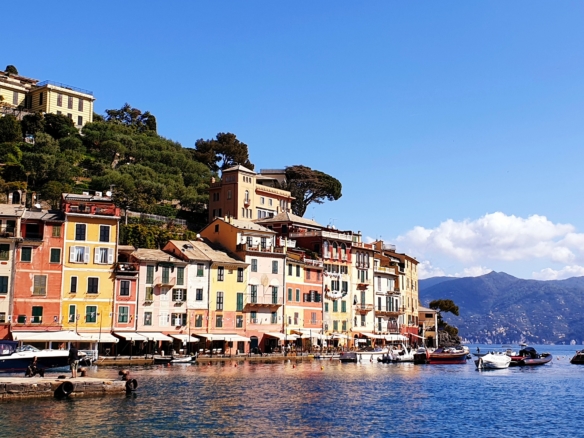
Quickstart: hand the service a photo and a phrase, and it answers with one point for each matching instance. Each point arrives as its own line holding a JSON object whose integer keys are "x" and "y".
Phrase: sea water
{"x": 320, "y": 398}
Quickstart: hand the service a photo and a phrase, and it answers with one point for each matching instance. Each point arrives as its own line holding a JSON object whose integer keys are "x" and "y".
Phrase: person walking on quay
{"x": 73, "y": 360}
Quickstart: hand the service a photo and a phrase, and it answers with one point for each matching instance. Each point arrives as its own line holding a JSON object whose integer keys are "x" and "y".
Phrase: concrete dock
{"x": 39, "y": 387}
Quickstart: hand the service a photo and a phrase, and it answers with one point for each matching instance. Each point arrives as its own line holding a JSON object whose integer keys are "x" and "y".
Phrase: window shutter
{"x": 72, "y": 254}
{"x": 96, "y": 255}
{"x": 86, "y": 255}
{"x": 110, "y": 256}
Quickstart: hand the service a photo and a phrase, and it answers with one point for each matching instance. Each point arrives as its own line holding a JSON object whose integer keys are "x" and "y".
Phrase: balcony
{"x": 324, "y": 234}
{"x": 164, "y": 281}
{"x": 289, "y": 243}
{"x": 266, "y": 302}
{"x": 103, "y": 210}
{"x": 335, "y": 294}
{"x": 363, "y": 308}
{"x": 244, "y": 247}
{"x": 389, "y": 313}
{"x": 122, "y": 268}
{"x": 311, "y": 262}
{"x": 362, "y": 286}
{"x": 384, "y": 270}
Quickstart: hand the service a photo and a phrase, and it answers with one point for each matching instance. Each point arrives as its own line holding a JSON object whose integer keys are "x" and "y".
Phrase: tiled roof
{"x": 154, "y": 255}
{"x": 239, "y": 167}
{"x": 246, "y": 225}
{"x": 11, "y": 210}
{"x": 286, "y": 216}
{"x": 198, "y": 250}
{"x": 45, "y": 215}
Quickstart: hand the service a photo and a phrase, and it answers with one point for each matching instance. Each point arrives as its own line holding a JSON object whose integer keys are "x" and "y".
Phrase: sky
{"x": 456, "y": 128}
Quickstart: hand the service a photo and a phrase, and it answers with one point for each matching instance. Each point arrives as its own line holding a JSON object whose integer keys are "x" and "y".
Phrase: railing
{"x": 126, "y": 268}
{"x": 156, "y": 217}
{"x": 162, "y": 281}
{"x": 313, "y": 262}
{"x": 327, "y": 234}
{"x": 384, "y": 269}
{"x": 262, "y": 301}
{"x": 388, "y": 247}
{"x": 363, "y": 307}
{"x": 259, "y": 248}
{"x": 68, "y": 87}
{"x": 286, "y": 242}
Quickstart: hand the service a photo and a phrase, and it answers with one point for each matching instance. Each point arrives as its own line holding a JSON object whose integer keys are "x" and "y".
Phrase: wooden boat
{"x": 529, "y": 357}
{"x": 447, "y": 356}
{"x": 493, "y": 361}
{"x": 578, "y": 358}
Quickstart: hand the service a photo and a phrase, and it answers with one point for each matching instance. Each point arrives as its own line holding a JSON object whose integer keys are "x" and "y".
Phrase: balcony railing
{"x": 311, "y": 262}
{"x": 363, "y": 308}
{"x": 262, "y": 301}
{"x": 126, "y": 268}
{"x": 258, "y": 248}
{"x": 325, "y": 234}
{"x": 68, "y": 87}
{"x": 164, "y": 281}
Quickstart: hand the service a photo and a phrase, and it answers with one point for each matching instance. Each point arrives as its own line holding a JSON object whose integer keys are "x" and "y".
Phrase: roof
{"x": 87, "y": 198}
{"x": 238, "y": 167}
{"x": 425, "y": 309}
{"x": 199, "y": 250}
{"x": 245, "y": 225}
{"x": 286, "y": 216}
{"x": 155, "y": 255}
{"x": 11, "y": 210}
{"x": 126, "y": 248}
{"x": 44, "y": 215}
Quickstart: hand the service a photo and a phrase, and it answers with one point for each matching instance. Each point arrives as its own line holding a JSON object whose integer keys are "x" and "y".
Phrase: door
{"x": 253, "y": 343}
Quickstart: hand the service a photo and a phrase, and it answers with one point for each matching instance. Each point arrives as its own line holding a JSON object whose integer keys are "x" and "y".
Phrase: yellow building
{"x": 20, "y": 95}
{"x": 90, "y": 251}
{"x": 246, "y": 195}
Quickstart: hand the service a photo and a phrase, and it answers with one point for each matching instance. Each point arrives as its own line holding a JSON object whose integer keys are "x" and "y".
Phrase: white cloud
{"x": 426, "y": 270}
{"x": 473, "y": 271}
{"x": 496, "y": 236}
{"x": 369, "y": 239}
{"x": 560, "y": 274}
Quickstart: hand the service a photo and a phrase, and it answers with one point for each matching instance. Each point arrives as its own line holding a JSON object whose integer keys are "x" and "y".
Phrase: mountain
{"x": 500, "y": 308}
{"x": 429, "y": 282}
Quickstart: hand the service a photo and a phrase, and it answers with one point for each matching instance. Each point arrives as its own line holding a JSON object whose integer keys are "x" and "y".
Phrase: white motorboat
{"x": 15, "y": 359}
{"x": 400, "y": 353}
{"x": 365, "y": 355}
{"x": 493, "y": 361}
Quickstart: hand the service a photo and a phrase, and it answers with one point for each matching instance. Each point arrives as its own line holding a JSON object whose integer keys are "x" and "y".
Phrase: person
{"x": 33, "y": 369}
{"x": 73, "y": 360}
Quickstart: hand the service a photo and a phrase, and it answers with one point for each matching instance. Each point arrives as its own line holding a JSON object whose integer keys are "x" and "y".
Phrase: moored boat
{"x": 15, "y": 359}
{"x": 493, "y": 361}
{"x": 398, "y": 354}
{"x": 447, "y": 356}
{"x": 421, "y": 356}
{"x": 529, "y": 357}
{"x": 365, "y": 355}
{"x": 578, "y": 358}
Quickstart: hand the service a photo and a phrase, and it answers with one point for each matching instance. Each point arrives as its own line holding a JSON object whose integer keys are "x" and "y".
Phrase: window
{"x": 26, "y": 254}
{"x": 163, "y": 319}
{"x": 228, "y": 194}
{"x": 180, "y": 276}
{"x": 298, "y": 295}
{"x": 123, "y": 314}
{"x": 73, "y": 285}
{"x": 104, "y": 256}
{"x": 219, "y": 300}
{"x": 72, "y": 313}
{"x": 163, "y": 294}
{"x": 149, "y": 293}
{"x": 326, "y": 307}
{"x": 262, "y": 200}
{"x": 2, "y": 317}
{"x": 200, "y": 270}
{"x": 4, "y": 251}
{"x": 344, "y": 326}
{"x": 313, "y": 318}
{"x": 335, "y": 326}
{"x": 55, "y": 255}
{"x": 345, "y": 286}
{"x": 274, "y": 318}
{"x": 289, "y": 294}
{"x": 125, "y": 288}
{"x": 199, "y": 295}
{"x": 239, "y": 321}
{"x": 275, "y": 267}
{"x": 15, "y": 97}
{"x": 21, "y": 319}
{"x": 220, "y": 273}
{"x": 91, "y": 314}
{"x": 254, "y": 264}
{"x": 290, "y": 267}
{"x": 149, "y": 274}
{"x": 80, "y": 105}
{"x": 254, "y": 293}
{"x": 343, "y": 306}
{"x": 41, "y": 98}
{"x": 179, "y": 319}
{"x": 240, "y": 275}
{"x": 274, "y": 294}
{"x": 79, "y": 120}
{"x": 40, "y": 285}
{"x": 298, "y": 270}
{"x": 263, "y": 243}
{"x": 104, "y": 233}
{"x": 37, "y": 314}
{"x": 335, "y": 306}
{"x": 179, "y": 295}
{"x": 70, "y": 116}
{"x": 198, "y": 320}
{"x": 254, "y": 316}
{"x": 79, "y": 254}
{"x": 362, "y": 320}
{"x": 92, "y": 285}
{"x": 219, "y": 321}
{"x": 147, "y": 318}
{"x": 69, "y": 102}
{"x": 216, "y": 226}
{"x": 80, "y": 231}
{"x": 165, "y": 275}
{"x": 239, "y": 307}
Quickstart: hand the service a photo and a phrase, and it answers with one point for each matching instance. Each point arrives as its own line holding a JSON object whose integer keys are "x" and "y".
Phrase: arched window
{"x": 343, "y": 251}
{"x": 335, "y": 247}
{"x": 325, "y": 249}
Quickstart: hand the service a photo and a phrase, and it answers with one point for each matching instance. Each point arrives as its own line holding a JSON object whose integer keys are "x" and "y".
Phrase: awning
{"x": 155, "y": 336}
{"x": 99, "y": 337}
{"x": 338, "y": 336}
{"x": 395, "y": 338}
{"x": 280, "y": 336}
{"x": 236, "y": 338}
{"x": 373, "y": 336}
{"x": 417, "y": 336}
{"x": 130, "y": 336}
{"x": 223, "y": 337}
{"x": 185, "y": 338}
{"x": 63, "y": 336}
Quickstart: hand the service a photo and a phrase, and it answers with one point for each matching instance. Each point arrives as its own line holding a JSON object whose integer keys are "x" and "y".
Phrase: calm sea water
{"x": 320, "y": 398}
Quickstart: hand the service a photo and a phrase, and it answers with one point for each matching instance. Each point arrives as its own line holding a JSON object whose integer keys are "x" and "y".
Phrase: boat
{"x": 421, "y": 356}
{"x": 578, "y": 358}
{"x": 493, "y": 361}
{"x": 182, "y": 359}
{"x": 162, "y": 360}
{"x": 444, "y": 356}
{"x": 365, "y": 355}
{"x": 15, "y": 359}
{"x": 401, "y": 354}
{"x": 527, "y": 356}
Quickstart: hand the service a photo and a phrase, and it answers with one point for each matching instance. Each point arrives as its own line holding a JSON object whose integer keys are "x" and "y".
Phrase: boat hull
{"x": 363, "y": 356}
{"x": 528, "y": 361}
{"x": 578, "y": 359}
{"x": 18, "y": 362}
{"x": 493, "y": 362}
{"x": 447, "y": 358}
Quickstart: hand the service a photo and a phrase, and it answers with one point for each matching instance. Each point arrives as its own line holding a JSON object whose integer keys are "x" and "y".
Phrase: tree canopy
{"x": 133, "y": 117}
{"x": 222, "y": 152}
{"x": 10, "y": 69}
{"x": 308, "y": 186}
{"x": 447, "y": 306}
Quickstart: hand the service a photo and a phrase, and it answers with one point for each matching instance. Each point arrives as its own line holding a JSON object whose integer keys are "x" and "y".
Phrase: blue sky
{"x": 455, "y": 127}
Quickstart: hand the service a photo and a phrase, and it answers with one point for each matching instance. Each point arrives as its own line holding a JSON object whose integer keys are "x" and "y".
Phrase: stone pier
{"x": 38, "y": 387}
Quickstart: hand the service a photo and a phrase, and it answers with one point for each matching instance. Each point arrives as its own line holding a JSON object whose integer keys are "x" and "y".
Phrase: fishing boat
{"x": 447, "y": 356}
{"x": 365, "y": 355}
{"x": 15, "y": 359}
{"x": 578, "y": 358}
{"x": 529, "y": 357}
{"x": 493, "y": 361}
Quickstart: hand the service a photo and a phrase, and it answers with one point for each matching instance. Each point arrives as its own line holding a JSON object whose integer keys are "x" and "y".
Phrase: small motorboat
{"x": 493, "y": 361}
{"x": 529, "y": 357}
{"x": 14, "y": 358}
{"x": 421, "y": 356}
{"x": 398, "y": 354}
{"x": 578, "y": 358}
{"x": 448, "y": 356}
{"x": 162, "y": 360}
{"x": 365, "y": 355}
{"x": 182, "y": 359}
